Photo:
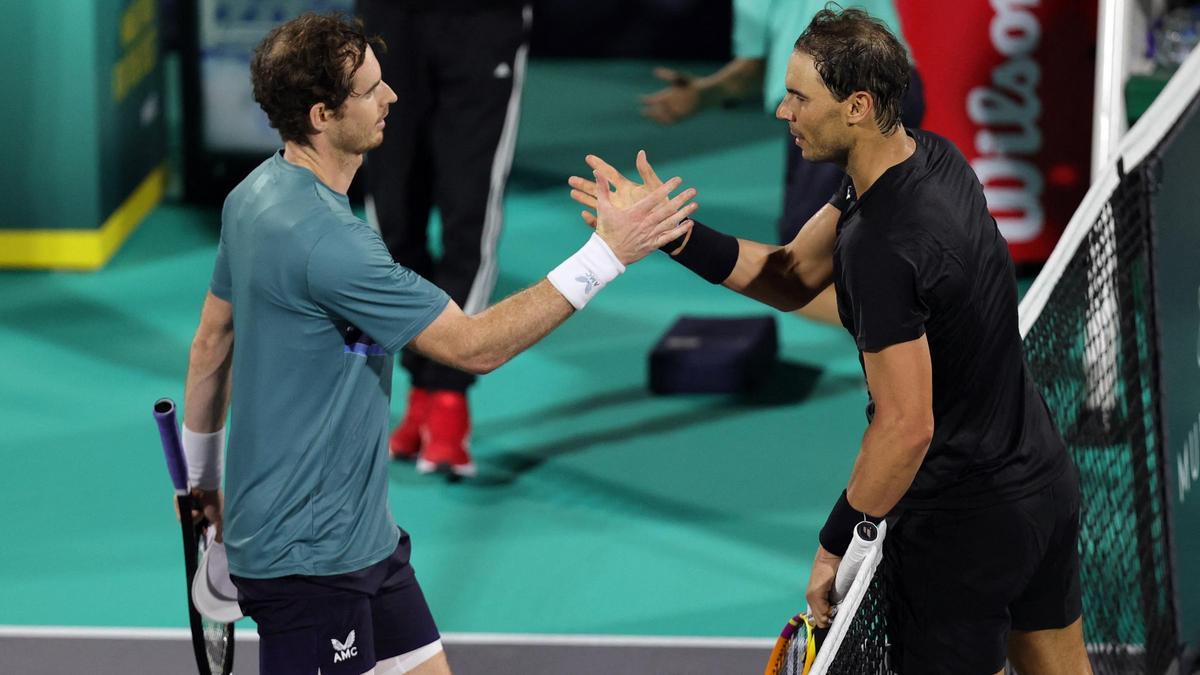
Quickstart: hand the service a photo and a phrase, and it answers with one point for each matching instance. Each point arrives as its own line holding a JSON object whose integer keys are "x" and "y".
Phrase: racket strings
{"x": 796, "y": 657}
{"x": 796, "y": 649}
{"x": 216, "y": 644}
{"x": 218, "y": 636}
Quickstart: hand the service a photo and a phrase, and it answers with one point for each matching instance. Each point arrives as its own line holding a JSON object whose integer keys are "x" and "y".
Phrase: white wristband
{"x": 582, "y": 275}
{"x": 205, "y": 458}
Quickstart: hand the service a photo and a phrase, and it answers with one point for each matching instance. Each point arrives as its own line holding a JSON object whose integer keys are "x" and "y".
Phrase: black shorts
{"x": 962, "y": 579}
{"x": 341, "y": 624}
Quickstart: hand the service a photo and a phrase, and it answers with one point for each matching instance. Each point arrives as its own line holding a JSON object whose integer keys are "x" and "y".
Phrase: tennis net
{"x": 1091, "y": 330}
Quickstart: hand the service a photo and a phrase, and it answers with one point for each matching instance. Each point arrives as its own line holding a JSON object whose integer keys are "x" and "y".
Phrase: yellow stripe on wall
{"x": 83, "y": 249}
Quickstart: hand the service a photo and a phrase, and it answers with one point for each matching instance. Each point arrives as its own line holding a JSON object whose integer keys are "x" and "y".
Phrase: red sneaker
{"x": 405, "y": 441}
{"x": 448, "y": 434}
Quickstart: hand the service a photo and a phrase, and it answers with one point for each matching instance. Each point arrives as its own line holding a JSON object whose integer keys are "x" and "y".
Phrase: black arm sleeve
{"x": 709, "y": 253}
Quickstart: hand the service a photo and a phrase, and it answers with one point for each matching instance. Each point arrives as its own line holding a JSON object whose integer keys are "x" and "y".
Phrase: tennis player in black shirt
{"x": 960, "y": 453}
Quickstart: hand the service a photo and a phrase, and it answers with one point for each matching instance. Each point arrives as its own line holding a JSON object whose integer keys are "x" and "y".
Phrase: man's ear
{"x": 319, "y": 116}
{"x": 860, "y": 107}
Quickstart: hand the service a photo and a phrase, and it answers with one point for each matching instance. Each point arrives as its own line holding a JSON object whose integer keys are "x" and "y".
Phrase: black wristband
{"x": 674, "y": 243}
{"x": 839, "y": 526}
{"x": 709, "y": 253}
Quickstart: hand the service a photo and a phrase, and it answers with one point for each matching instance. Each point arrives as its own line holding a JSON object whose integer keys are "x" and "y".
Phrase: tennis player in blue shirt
{"x": 304, "y": 313}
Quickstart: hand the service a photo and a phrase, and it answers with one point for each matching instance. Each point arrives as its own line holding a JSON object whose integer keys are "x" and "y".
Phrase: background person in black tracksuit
{"x": 960, "y": 454}
{"x": 457, "y": 67}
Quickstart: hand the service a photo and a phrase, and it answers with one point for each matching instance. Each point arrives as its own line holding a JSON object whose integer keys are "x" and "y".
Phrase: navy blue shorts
{"x": 341, "y": 624}
{"x": 963, "y": 579}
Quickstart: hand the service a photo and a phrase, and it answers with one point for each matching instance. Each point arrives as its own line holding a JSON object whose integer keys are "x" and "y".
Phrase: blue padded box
{"x": 708, "y": 355}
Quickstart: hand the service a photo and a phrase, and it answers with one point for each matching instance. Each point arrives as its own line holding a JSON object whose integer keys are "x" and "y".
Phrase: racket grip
{"x": 168, "y": 430}
{"x": 867, "y": 535}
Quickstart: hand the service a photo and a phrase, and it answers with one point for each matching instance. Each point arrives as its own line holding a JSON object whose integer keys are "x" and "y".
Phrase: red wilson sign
{"x": 1010, "y": 83}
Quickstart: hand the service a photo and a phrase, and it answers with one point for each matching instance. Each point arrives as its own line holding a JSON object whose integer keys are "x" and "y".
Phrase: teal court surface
{"x": 600, "y": 509}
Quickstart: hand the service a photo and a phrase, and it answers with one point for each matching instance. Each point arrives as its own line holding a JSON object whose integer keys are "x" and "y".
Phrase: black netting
{"x": 1093, "y": 352}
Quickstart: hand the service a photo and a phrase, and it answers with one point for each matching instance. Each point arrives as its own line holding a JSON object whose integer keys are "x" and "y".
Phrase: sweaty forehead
{"x": 368, "y": 73}
{"x": 802, "y": 74}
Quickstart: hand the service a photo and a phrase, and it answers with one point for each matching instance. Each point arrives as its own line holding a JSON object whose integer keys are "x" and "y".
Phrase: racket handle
{"x": 168, "y": 430}
{"x": 867, "y": 536}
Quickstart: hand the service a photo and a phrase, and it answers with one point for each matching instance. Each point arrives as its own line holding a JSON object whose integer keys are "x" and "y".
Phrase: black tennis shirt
{"x": 919, "y": 254}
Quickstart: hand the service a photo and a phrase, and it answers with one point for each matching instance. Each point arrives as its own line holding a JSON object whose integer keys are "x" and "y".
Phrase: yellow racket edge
{"x": 779, "y": 651}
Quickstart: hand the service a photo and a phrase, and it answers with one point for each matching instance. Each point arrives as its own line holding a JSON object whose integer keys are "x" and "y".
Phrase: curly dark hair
{"x": 853, "y": 51}
{"x": 308, "y": 60}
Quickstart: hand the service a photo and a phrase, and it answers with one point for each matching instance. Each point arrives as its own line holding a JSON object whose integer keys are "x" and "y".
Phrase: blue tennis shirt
{"x": 319, "y": 308}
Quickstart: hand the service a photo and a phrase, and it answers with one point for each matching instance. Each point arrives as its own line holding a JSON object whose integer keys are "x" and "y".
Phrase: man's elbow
{"x": 912, "y": 435}
{"x": 480, "y": 360}
{"x": 788, "y": 304}
{"x": 209, "y": 344}
{"x": 482, "y": 365}
{"x": 919, "y": 434}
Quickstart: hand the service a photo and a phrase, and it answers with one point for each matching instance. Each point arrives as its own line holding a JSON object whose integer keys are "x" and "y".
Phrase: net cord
{"x": 1145, "y": 136}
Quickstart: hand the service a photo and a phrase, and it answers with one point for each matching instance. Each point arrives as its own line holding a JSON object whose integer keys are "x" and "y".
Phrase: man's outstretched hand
{"x": 647, "y": 223}
{"x": 624, "y": 191}
{"x": 679, "y": 100}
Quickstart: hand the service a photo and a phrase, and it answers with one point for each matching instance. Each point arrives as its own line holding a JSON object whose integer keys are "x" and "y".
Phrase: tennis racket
{"x": 803, "y": 649}
{"x": 796, "y": 649}
{"x": 212, "y": 642}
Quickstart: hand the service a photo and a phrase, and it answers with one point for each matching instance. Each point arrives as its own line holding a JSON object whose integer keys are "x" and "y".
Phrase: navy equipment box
{"x": 705, "y": 355}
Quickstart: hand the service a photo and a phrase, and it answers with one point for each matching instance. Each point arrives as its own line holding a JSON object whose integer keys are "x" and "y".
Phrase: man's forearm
{"x": 737, "y": 80}
{"x": 888, "y": 461}
{"x": 515, "y": 324}
{"x": 206, "y": 393}
{"x": 784, "y": 277}
{"x": 769, "y": 274}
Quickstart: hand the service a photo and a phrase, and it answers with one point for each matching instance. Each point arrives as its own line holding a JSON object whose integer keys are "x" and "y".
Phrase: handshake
{"x": 634, "y": 219}
{"x": 631, "y": 220}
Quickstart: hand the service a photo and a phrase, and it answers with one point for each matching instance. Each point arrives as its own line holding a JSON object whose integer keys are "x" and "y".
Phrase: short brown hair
{"x": 853, "y": 51}
{"x": 308, "y": 60}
